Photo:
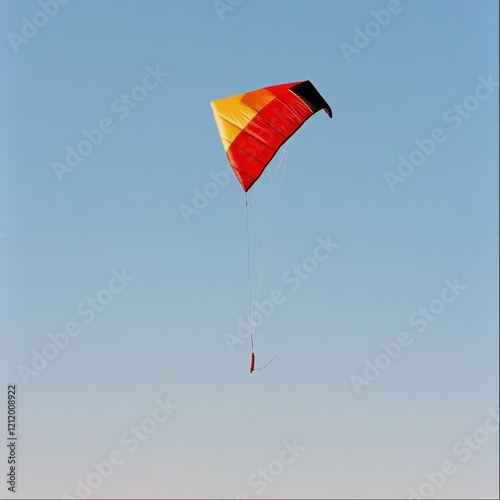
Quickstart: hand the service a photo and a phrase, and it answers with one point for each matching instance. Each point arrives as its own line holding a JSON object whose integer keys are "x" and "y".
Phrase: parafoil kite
{"x": 253, "y": 126}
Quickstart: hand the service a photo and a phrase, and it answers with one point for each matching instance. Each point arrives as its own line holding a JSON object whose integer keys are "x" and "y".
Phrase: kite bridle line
{"x": 282, "y": 165}
{"x": 255, "y": 282}
{"x": 249, "y": 274}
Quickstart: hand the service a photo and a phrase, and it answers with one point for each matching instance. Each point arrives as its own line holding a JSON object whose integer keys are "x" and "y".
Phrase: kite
{"x": 253, "y": 126}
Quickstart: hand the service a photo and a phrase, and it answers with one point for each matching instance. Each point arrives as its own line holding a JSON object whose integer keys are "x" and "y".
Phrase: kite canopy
{"x": 254, "y": 125}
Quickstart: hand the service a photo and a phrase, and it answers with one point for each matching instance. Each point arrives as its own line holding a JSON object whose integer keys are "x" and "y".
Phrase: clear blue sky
{"x": 162, "y": 336}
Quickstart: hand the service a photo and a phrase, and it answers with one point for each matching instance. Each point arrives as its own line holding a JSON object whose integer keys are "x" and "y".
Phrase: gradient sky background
{"x": 163, "y": 335}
